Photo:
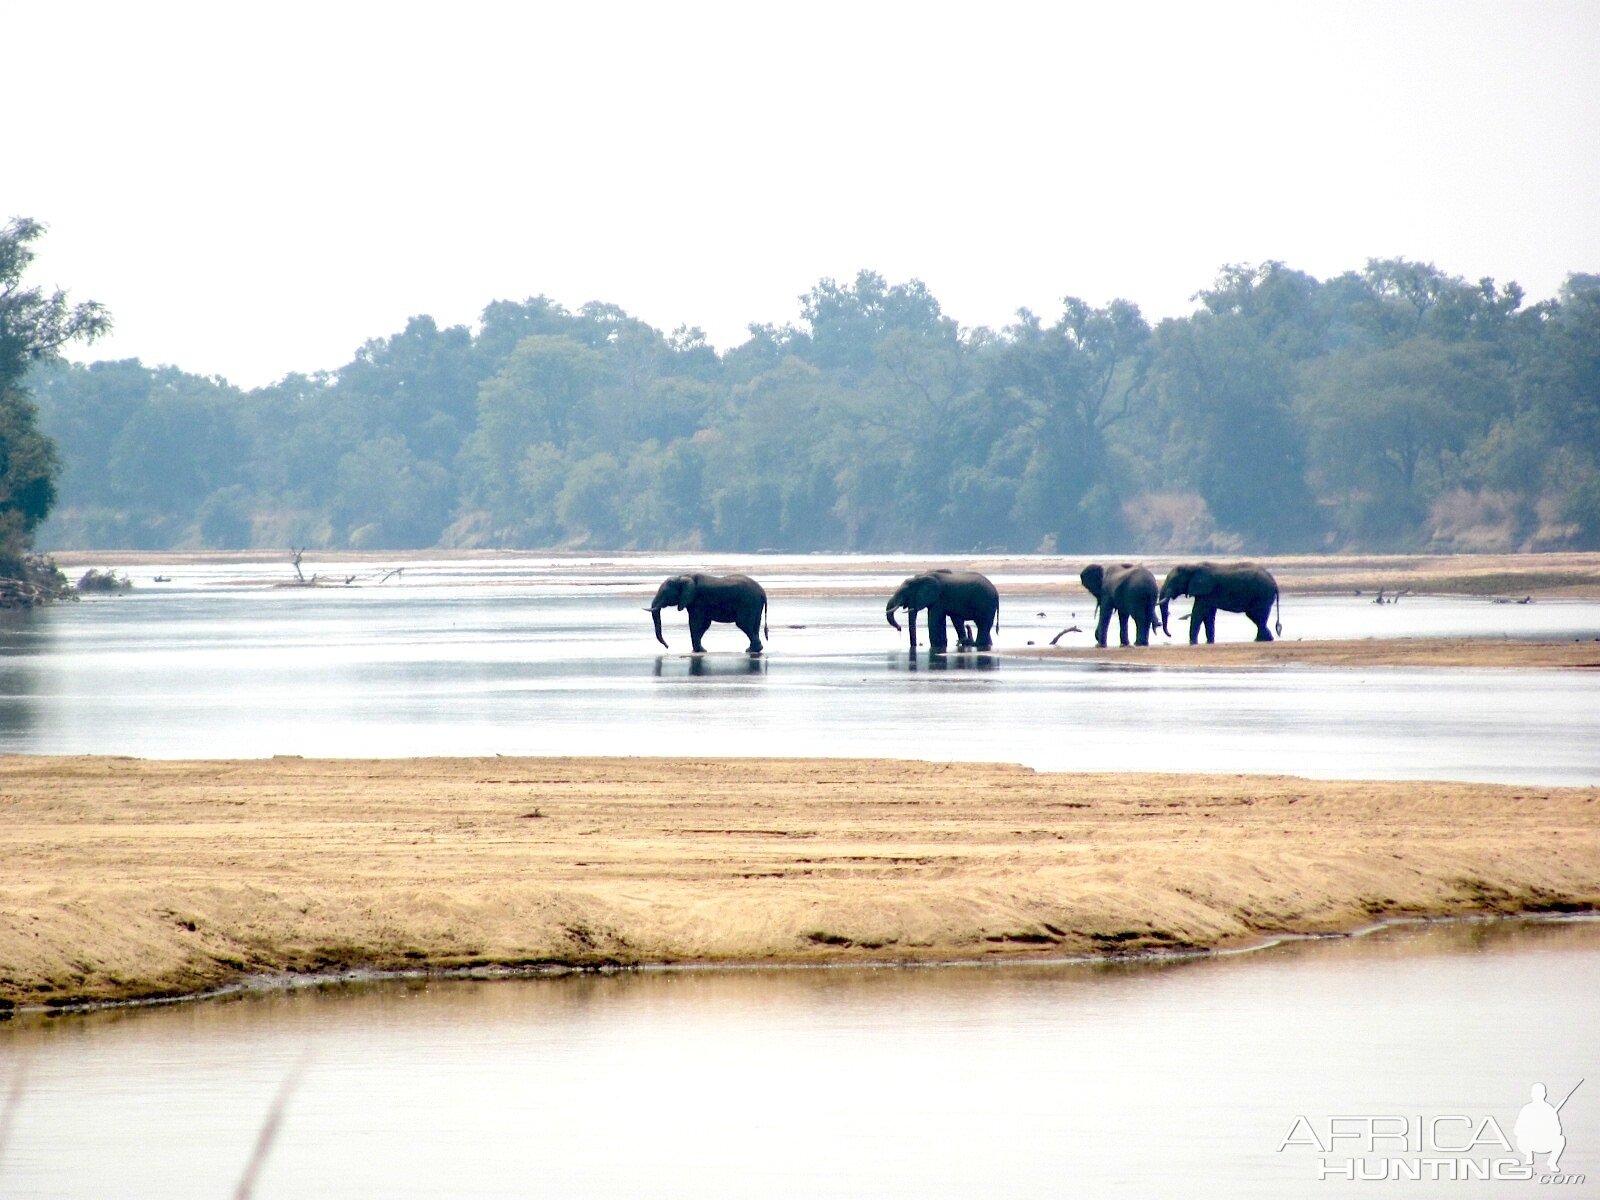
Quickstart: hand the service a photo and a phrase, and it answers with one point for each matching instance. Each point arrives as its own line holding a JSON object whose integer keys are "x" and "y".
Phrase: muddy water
{"x": 1184, "y": 1079}
{"x": 539, "y": 657}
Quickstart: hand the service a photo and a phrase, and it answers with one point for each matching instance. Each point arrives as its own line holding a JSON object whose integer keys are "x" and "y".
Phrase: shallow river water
{"x": 543, "y": 656}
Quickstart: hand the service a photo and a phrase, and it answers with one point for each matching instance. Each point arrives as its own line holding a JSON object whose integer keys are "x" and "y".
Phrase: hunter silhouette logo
{"x": 1538, "y": 1127}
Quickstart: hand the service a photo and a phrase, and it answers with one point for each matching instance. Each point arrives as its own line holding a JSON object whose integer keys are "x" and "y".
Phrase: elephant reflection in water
{"x": 700, "y": 665}
{"x": 945, "y": 662}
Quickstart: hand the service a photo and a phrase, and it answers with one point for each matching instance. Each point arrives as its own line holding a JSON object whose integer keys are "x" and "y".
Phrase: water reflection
{"x": 1040, "y": 1081}
{"x": 24, "y": 643}
{"x": 707, "y": 665}
{"x": 955, "y": 660}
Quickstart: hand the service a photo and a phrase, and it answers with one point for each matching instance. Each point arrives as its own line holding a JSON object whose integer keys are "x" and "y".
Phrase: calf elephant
{"x": 736, "y": 599}
{"x": 956, "y": 596}
{"x": 1128, "y": 591}
{"x": 1234, "y": 587}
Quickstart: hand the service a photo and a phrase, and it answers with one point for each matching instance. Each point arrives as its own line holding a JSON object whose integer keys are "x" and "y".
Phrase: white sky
{"x": 258, "y": 188}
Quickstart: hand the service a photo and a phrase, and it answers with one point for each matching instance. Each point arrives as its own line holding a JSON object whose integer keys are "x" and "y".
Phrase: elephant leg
{"x": 985, "y": 632}
{"x": 699, "y": 622}
{"x": 938, "y": 639}
{"x": 1211, "y": 626}
{"x": 1122, "y": 627}
{"x": 1141, "y": 626}
{"x": 751, "y": 628}
{"x": 1263, "y": 634}
{"x": 1102, "y": 625}
{"x": 1196, "y": 620}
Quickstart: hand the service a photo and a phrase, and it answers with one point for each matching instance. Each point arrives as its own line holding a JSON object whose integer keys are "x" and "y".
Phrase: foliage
{"x": 1395, "y": 407}
{"x": 34, "y": 325}
{"x": 103, "y": 582}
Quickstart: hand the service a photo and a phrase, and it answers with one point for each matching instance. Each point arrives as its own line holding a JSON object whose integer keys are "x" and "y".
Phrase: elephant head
{"x": 1093, "y": 578}
{"x": 677, "y": 592}
{"x": 1187, "y": 581}
{"x": 915, "y": 593}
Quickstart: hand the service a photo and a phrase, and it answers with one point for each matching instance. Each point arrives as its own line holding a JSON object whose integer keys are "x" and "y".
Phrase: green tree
{"x": 533, "y": 400}
{"x": 1072, "y": 383}
{"x": 1388, "y": 431}
{"x": 34, "y": 326}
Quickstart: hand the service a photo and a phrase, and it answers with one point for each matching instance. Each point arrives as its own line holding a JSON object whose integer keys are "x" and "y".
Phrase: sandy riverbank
{"x": 1368, "y": 652}
{"x": 128, "y": 878}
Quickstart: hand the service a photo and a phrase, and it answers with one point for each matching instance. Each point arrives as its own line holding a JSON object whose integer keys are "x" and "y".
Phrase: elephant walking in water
{"x": 1128, "y": 591}
{"x": 736, "y": 599}
{"x": 1234, "y": 587}
{"x": 957, "y": 596}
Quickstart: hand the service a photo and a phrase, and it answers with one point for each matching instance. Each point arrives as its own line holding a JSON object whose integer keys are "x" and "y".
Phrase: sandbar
{"x": 130, "y": 879}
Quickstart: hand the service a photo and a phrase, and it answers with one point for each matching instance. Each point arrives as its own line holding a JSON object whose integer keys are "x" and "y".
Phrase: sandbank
{"x": 1478, "y": 652}
{"x": 128, "y": 879}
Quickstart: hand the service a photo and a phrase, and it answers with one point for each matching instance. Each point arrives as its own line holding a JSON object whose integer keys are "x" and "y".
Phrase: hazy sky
{"x": 258, "y": 188}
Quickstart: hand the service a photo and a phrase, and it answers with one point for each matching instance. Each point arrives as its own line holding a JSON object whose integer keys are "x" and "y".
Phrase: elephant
{"x": 1235, "y": 587}
{"x": 958, "y": 596}
{"x": 1128, "y": 591}
{"x": 734, "y": 598}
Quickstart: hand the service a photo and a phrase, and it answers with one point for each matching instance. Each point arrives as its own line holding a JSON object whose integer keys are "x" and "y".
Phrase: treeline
{"x": 1396, "y": 408}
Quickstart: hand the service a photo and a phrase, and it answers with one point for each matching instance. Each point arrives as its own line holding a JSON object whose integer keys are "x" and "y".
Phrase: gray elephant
{"x": 1234, "y": 587}
{"x": 956, "y": 596}
{"x": 736, "y": 599}
{"x": 1128, "y": 591}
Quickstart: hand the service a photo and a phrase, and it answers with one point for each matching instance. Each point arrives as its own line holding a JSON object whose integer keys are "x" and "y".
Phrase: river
{"x": 1046, "y": 1081}
{"x": 548, "y": 656}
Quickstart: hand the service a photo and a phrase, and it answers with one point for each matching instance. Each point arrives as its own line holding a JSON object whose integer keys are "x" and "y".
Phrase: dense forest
{"x": 1395, "y": 408}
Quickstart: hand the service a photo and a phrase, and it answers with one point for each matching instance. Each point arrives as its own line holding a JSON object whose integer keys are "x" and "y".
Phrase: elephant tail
{"x": 765, "y": 632}
{"x": 997, "y": 614}
{"x": 1277, "y": 603}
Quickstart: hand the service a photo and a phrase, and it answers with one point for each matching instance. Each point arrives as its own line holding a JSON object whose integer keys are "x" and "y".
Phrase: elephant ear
{"x": 686, "y": 593}
{"x": 1092, "y": 577}
{"x": 1202, "y": 582}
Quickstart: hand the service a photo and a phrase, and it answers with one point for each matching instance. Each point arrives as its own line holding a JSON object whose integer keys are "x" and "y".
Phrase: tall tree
{"x": 34, "y": 325}
{"x": 1072, "y": 383}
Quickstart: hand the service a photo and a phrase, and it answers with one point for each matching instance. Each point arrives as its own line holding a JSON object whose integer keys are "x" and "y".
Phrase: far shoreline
{"x": 1510, "y": 576}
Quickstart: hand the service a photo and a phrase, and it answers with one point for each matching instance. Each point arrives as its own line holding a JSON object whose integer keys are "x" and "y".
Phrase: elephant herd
{"x": 970, "y": 603}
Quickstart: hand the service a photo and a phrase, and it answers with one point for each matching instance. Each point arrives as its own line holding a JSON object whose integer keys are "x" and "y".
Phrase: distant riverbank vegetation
{"x": 1394, "y": 408}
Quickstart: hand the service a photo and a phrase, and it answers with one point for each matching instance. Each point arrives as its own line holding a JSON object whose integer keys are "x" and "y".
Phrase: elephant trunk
{"x": 655, "y": 616}
{"x": 1165, "y": 605}
{"x": 888, "y": 612}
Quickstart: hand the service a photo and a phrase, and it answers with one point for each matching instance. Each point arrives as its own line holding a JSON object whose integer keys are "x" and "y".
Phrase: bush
{"x": 102, "y": 582}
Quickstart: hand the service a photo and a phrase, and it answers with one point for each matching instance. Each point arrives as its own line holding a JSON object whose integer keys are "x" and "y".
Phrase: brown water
{"x": 1068, "y": 1080}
